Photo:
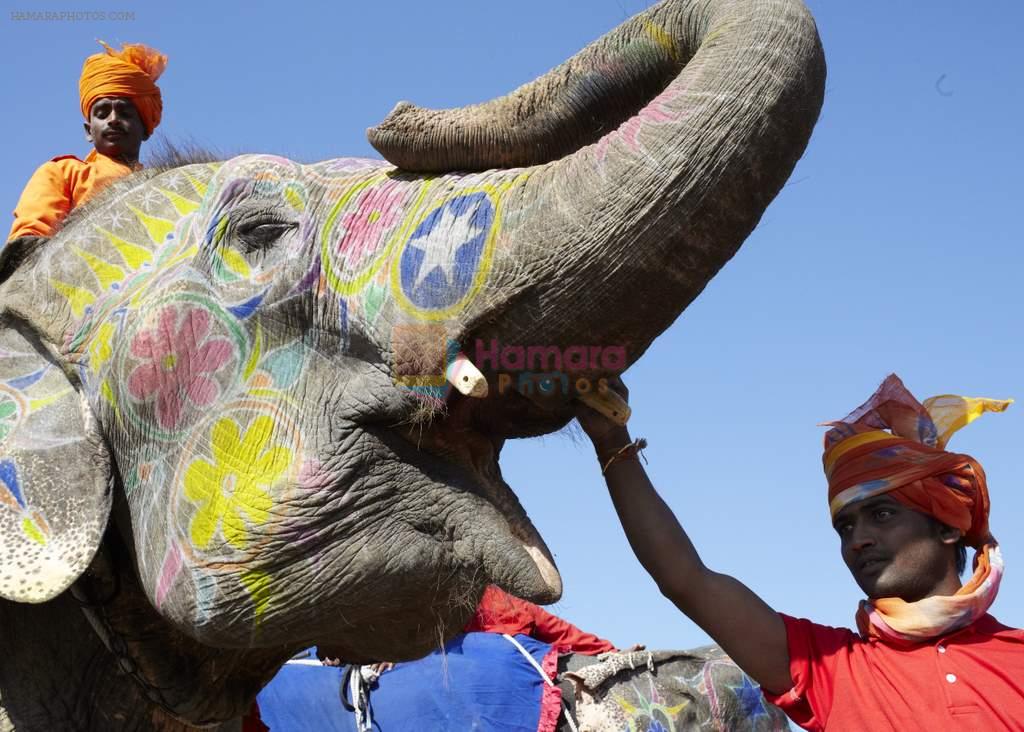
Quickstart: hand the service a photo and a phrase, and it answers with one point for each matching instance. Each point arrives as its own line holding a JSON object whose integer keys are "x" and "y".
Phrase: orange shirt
{"x": 57, "y": 187}
{"x": 500, "y": 612}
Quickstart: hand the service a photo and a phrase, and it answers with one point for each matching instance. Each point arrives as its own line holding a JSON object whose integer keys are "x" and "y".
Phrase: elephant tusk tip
{"x": 466, "y": 378}
{"x": 548, "y": 573}
{"x": 610, "y": 404}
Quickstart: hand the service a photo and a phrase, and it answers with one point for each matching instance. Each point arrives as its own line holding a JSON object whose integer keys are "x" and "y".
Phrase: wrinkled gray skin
{"x": 57, "y": 674}
{"x": 679, "y": 690}
{"x": 405, "y": 518}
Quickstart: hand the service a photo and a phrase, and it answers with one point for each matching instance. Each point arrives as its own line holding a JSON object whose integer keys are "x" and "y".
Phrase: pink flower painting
{"x": 177, "y": 357}
{"x": 378, "y": 208}
{"x": 658, "y": 112}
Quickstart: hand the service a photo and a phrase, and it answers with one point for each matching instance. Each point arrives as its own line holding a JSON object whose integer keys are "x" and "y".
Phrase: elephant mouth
{"x": 500, "y": 536}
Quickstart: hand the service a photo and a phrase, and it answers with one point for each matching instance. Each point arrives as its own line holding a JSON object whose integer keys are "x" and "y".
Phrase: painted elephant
{"x": 226, "y": 425}
{"x": 664, "y": 691}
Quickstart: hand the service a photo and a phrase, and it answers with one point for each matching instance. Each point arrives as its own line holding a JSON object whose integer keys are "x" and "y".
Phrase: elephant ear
{"x": 54, "y": 471}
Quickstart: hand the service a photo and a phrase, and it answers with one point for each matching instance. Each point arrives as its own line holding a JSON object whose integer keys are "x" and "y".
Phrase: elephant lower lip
{"x": 512, "y": 552}
{"x": 519, "y": 563}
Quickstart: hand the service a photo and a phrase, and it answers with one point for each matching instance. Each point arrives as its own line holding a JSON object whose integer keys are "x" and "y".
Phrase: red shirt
{"x": 971, "y": 679}
{"x": 499, "y": 612}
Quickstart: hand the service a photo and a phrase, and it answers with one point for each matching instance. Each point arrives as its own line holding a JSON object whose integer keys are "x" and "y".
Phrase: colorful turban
{"x": 131, "y": 72}
{"x": 908, "y": 461}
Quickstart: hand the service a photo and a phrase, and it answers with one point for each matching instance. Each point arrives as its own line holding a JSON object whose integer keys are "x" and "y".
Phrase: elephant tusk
{"x": 465, "y": 377}
{"x": 610, "y": 404}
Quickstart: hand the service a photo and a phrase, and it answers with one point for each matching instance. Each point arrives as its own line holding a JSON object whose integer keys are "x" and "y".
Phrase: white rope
{"x": 547, "y": 680}
{"x": 360, "y": 679}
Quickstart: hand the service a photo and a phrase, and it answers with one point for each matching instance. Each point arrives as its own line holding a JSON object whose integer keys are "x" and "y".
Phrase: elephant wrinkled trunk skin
{"x": 682, "y": 166}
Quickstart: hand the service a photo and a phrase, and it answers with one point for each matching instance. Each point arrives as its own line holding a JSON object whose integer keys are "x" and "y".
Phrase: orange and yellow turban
{"x": 894, "y": 444}
{"x": 131, "y": 72}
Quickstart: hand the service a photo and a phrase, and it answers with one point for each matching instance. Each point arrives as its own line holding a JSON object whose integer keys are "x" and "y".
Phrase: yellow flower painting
{"x": 233, "y": 490}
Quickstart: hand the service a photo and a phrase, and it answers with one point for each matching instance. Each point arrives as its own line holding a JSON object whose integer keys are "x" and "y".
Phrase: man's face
{"x": 115, "y": 128}
{"x": 894, "y": 551}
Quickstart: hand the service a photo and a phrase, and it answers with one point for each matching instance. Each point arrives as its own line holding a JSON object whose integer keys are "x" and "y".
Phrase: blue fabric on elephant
{"x": 479, "y": 681}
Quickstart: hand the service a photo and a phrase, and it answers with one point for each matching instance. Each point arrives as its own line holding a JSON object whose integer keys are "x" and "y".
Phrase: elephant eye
{"x": 261, "y": 234}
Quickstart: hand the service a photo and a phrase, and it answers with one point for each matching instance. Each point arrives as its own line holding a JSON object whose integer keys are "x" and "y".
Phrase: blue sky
{"x": 893, "y": 248}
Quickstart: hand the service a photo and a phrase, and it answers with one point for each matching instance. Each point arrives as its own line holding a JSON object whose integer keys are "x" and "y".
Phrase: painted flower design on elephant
{"x": 235, "y": 487}
{"x": 650, "y": 707}
{"x": 378, "y": 208}
{"x": 658, "y": 112}
{"x": 178, "y": 357}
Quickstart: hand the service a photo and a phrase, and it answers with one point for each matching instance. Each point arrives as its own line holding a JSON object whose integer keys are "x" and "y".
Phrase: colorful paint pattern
{"x": 182, "y": 342}
{"x": 648, "y": 712}
{"x": 176, "y": 359}
{"x": 189, "y": 295}
{"x": 233, "y": 491}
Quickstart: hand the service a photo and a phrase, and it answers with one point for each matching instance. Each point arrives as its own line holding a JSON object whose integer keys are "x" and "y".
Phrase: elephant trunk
{"x": 685, "y": 123}
{"x": 571, "y": 106}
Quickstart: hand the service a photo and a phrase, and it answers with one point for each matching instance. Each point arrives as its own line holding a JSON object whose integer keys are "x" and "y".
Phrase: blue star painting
{"x": 749, "y": 697}
{"x": 435, "y": 275}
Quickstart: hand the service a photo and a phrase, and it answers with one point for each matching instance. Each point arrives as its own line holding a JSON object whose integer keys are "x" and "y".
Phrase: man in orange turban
{"x": 928, "y": 656}
{"x": 121, "y": 104}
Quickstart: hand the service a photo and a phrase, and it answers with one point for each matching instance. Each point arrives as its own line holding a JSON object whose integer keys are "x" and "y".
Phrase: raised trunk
{"x": 627, "y": 231}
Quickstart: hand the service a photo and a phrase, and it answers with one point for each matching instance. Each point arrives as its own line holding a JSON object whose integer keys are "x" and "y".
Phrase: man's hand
{"x": 606, "y": 436}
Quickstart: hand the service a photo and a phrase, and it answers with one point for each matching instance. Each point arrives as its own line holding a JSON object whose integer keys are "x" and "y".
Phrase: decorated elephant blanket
{"x": 478, "y": 681}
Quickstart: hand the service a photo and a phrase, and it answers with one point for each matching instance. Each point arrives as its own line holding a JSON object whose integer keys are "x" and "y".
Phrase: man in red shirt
{"x": 928, "y": 656}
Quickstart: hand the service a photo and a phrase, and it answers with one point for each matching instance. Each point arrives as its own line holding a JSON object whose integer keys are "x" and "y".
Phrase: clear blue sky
{"x": 893, "y": 248}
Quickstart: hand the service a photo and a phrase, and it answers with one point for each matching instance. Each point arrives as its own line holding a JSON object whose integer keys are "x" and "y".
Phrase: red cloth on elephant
{"x": 499, "y": 612}
{"x": 972, "y": 678}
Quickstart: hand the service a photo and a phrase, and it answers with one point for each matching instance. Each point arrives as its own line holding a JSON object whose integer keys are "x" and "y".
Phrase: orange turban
{"x": 908, "y": 461}
{"x": 131, "y": 72}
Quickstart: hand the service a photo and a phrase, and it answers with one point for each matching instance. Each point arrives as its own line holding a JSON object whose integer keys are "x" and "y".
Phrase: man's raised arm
{"x": 740, "y": 622}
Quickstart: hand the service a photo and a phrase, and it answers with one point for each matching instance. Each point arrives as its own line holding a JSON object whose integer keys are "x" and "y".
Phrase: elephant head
{"x": 246, "y": 361}
{"x": 667, "y": 690}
